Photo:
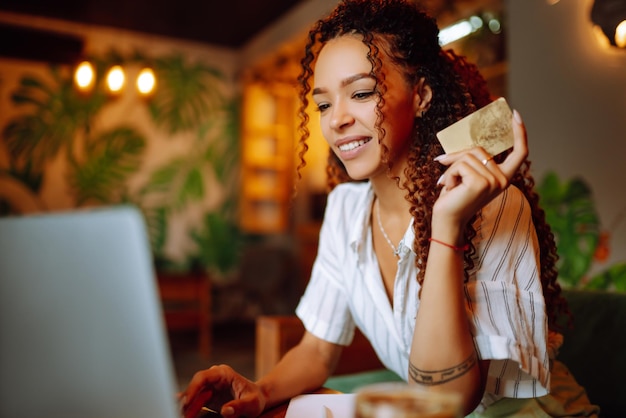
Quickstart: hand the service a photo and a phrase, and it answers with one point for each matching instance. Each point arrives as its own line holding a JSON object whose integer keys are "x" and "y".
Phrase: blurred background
{"x": 187, "y": 110}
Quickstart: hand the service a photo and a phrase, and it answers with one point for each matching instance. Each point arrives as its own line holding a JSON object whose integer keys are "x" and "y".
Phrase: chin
{"x": 360, "y": 175}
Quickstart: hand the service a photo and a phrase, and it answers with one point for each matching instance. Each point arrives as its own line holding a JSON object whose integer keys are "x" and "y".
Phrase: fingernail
{"x": 440, "y": 157}
{"x": 517, "y": 116}
{"x": 440, "y": 180}
{"x": 228, "y": 410}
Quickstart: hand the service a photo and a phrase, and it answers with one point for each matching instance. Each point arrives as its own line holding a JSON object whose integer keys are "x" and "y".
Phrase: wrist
{"x": 265, "y": 389}
{"x": 448, "y": 232}
{"x": 454, "y": 247}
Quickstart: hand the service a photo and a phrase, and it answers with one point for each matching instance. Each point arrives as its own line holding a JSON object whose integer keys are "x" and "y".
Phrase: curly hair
{"x": 410, "y": 38}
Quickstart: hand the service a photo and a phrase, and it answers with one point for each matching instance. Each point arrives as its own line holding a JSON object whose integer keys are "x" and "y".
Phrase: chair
{"x": 594, "y": 350}
{"x": 276, "y": 334}
{"x": 187, "y": 303}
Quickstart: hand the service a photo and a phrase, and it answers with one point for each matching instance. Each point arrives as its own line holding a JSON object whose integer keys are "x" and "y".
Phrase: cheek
{"x": 324, "y": 126}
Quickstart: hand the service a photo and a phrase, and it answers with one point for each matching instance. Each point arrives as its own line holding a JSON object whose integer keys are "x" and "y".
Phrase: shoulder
{"x": 506, "y": 223}
{"x": 347, "y": 209}
{"x": 510, "y": 206}
{"x": 510, "y": 198}
{"x": 349, "y": 197}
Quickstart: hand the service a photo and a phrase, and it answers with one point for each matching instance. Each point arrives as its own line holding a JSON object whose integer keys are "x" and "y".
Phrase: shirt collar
{"x": 361, "y": 221}
{"x": 361, "y": 224}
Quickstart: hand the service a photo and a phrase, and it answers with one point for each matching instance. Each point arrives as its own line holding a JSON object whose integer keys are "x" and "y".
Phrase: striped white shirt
{"x": 503, "y": 295}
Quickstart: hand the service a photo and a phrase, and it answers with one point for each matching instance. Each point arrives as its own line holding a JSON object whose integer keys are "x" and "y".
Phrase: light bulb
{"x": 84, "y": 76}
{"x": 146, "y": 81}
{"x": 116, "y": 79}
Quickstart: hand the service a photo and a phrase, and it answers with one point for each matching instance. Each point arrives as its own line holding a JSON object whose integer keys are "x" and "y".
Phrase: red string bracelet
{"x": 454, "y": 247}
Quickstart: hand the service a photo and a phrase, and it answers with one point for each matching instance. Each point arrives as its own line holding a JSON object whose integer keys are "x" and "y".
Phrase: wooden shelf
{"x": 267, "y": 161}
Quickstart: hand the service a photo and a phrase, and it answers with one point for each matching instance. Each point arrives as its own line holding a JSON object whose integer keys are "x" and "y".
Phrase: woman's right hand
{"x": 473, "y": 178}
{"x": 224, "y": 390}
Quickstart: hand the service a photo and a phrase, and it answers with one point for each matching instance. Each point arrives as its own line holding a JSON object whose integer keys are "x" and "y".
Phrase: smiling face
{"x": 346, "y": 96}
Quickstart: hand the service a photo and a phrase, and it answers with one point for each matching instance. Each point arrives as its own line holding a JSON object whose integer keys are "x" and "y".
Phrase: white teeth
{"x": 352, "y": 145}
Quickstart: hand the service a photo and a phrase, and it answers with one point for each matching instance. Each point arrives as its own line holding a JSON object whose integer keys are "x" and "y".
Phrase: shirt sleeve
{"x": 505, "y": 301}
{"x": 324, "y": 308}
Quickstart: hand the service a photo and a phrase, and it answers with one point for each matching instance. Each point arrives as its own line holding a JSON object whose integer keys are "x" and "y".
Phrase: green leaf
{"x": 156, "y": 219}
{"x": 188, "y": 94}
{"x": 219, "y": 242}
{"x": 109, "y": 161}
{"x": 193, "y": 187}
{"x": 31, "y": 82}
{"x": 613, "y": 277}
{"x": 570, "y": 211}
{"x": 56, "y": 115}
{"x": 164, "y": 178}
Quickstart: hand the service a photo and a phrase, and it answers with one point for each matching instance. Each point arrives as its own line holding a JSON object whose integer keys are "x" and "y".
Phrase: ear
{"x": 423, "y": 94}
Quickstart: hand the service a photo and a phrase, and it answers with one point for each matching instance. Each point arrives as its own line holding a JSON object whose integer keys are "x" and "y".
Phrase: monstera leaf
{"x": 187, "y": 94}
{"x": 177, "y": 183}
{"x": 56, "y": 113}
{"x": 109, "y": 160}
{"x": 571, "y": 213}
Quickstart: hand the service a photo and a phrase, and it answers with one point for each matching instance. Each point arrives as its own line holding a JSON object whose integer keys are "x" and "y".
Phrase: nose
{"x": 340, "y": 117}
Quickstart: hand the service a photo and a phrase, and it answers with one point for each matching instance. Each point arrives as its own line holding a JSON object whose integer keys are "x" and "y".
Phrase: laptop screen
{"x": 81, "y": 326}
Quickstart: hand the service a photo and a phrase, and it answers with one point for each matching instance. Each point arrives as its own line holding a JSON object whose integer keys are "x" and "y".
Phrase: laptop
{"x": 81, "y": 328}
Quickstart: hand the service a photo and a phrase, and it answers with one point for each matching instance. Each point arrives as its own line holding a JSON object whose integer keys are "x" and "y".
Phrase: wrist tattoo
{"x": 437, "y": 377}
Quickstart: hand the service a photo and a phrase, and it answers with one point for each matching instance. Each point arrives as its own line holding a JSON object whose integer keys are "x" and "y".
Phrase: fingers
{"x": 472, "y": 166}
{"x": 508, "y": 167}
{"x": 204, "y": 387}
{"x": 222, "y": 389}
{"x": 246, "y": 405}
{"x": 520, "y": 147}
{"x": 192, "y": 408}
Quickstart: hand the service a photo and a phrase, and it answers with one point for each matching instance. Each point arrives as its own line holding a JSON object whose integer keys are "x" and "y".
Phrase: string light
{"x": 116, "y": 79}
{"x": 146, "y": 81}
{"x": 85, "y": 76}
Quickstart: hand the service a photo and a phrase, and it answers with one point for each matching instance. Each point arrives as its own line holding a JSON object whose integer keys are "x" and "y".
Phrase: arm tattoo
{"x": 437, "y": 377}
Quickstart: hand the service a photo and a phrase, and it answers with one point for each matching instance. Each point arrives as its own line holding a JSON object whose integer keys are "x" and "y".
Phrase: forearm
{"x": 304, "y": 368}
{"x": 443, "y": 355}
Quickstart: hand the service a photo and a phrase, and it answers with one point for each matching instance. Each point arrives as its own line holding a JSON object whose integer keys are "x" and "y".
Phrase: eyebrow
{"x": 344, "y": 82}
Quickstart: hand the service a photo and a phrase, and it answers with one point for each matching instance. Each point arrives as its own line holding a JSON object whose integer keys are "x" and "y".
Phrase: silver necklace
{"x": 396, "y": 251}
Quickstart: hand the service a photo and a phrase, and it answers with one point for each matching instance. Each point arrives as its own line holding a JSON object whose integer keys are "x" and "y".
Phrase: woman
{"x": 444, "y": 267}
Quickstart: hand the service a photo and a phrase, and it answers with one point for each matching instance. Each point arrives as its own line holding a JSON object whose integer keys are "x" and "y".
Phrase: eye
{"x": 322, "y": 107}
{"x": 362, "y": 95}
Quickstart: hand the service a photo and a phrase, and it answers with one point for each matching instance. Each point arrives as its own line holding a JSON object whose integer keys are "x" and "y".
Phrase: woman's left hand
{"x": 474, "y": 178}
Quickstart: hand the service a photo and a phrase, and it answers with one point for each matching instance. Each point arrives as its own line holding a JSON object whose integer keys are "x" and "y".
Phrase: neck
{"x": 391, "y": 198}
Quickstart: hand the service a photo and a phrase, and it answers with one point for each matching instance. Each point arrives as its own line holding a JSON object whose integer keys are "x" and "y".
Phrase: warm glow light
{"x": 601, "y": 37}
{"x": 116, "y": 79}
{"x": 620, "y": 34}
{"x": 459, "y": 30}
{"x": 146, "y": 81}
{"x": 84, "y": 76}
{"x": 610, "y": 16}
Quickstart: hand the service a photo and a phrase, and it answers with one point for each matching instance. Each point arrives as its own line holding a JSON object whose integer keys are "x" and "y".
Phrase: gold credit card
{"x": 489, "y": 127}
